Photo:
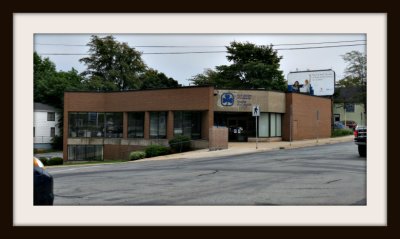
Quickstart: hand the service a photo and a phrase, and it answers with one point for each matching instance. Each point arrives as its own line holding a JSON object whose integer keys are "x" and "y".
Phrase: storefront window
{"x": 187, "y": 123}
{"x": 270, "y": 125}
{"x": 158, "y": 125}
{"x": 135, "y": 124}
{"x": 113, "y": 124}
{"x": 278, "y": 125}
{"x": 264, "y": 125}
{"x": 273, "y": 124}
{"x": 85, "y": 152}
{"x": 93, "y": 124}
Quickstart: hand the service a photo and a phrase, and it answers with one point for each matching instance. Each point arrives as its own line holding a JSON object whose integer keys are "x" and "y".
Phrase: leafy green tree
{"x": 112, "y": 65}
{"x": 356, "y": 74}
{"x": 43, "y": 71}
{"x": 208, "y": 77}
{"x": 50, "y": 85}
{"x": 349, "y": 82}
{"x": 356, "y": 66}
{"x": 152, "y": 79}
{"x": 252, "y": 67}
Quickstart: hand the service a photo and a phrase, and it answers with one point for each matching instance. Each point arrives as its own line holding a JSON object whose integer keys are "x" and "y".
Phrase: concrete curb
{"x": 249, "y": 148}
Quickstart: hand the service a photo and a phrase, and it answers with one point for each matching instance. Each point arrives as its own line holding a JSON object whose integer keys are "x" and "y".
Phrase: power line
{"x": 204, "y": 52}
{"x": 315, "y": 43}
{"x": 197, "y": 46}
{"x": 316, "y": 47}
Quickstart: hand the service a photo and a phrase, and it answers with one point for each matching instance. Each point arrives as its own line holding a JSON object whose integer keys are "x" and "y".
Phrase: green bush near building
{"x": 55, "y": 161}
{"x": 43, "y": 160}
{"x": 156, "y": 150}
{"x": 341, "y": 132}
{"x": 180, "y": 143}
{"x": 135, "y": 155}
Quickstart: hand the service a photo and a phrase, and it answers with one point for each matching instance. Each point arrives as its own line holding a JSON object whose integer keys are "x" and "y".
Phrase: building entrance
{"x": 240, "y": 126}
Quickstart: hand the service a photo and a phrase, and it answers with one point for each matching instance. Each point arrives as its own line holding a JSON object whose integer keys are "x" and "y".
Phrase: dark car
{"x": 338, "y": 125}
{"x": 350, "y": 123}
{"x": 42, "y": 184}
{"x": 360, "y": 139}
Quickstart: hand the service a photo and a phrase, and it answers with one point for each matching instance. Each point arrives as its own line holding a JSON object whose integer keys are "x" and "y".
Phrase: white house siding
{"x": 43, "y": 127}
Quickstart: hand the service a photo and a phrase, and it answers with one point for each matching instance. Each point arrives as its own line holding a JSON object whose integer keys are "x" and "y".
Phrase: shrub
{"x": 341, "y": 132}
{"x": 55, "y": 161}
{"x": 57, "y": 142}
{"x": 180, "y": 143}
{"x": 43, "y": 160}
{"x": 135, "y": 155}
{"x": 156, "y": 150}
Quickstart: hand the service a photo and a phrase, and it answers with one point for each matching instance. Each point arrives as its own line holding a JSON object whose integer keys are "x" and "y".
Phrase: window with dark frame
{"x": 158, "y": 125}
{"x": 349, "y": 107}
{"x": 95, "y": 124}
{"x": 136, "y": 125}
{"x": 187, "y": 123}
{"x": 51, "y": 116}
{"x": 52, "y": 131}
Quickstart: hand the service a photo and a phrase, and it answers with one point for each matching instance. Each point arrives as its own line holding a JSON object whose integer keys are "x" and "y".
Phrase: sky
{"x": 317, "y": 56}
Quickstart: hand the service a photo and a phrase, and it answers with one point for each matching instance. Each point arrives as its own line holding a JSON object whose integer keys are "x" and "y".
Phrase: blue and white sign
{"x": 227, "y": 99}
{"x": 256, "y": 110}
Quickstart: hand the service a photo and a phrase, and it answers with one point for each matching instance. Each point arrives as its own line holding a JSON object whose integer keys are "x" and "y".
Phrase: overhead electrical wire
{"x": 203, "y": 52}
{"x": 196, "y": 46}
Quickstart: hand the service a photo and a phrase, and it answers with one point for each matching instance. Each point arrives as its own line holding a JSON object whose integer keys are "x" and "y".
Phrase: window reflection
{"x": 95, "y": 124}
{"x": 187, "y": 123}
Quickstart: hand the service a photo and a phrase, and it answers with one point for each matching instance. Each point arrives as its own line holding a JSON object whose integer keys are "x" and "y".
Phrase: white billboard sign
{"x": 320, "y": 82}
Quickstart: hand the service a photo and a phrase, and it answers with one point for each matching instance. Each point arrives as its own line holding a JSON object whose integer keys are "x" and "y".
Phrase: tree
{"x": 50, "y": 85}
{"x": 208, "y": 77}
{"x": 112, "y": 65}
{"x": 356, "y": 66}
{"x": 152, "y": 79}
{"x": 43, "y": 71}
{"x": 252, "y": 67}
{"x": 356, "y": 74}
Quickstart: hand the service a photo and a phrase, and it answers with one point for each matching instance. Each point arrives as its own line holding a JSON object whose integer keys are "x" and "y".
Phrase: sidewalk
{"x": 250, "y": 147}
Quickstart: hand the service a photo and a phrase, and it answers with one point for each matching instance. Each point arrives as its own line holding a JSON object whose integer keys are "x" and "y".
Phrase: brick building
{"x": 109, "y": 125}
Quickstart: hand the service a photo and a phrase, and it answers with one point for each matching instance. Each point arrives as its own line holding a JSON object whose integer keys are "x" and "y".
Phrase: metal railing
{"x": 42, "y": 139}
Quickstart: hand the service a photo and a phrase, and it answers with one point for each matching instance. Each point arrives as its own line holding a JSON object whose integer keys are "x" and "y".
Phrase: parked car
{"x": 42, "y": 183}
{"x": 350, "y": 123}
{"x": 338, "y": 125}
{"x": 360, "y": 139}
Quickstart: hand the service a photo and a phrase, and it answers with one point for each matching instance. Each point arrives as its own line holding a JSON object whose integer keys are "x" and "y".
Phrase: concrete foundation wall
{"x": 199, "y": 144}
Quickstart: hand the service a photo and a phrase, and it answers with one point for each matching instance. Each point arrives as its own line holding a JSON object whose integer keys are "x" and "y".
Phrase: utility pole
{"x": 290, "y": 124}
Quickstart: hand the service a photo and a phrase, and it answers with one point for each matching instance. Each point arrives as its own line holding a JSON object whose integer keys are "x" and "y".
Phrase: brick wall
{"x": 187, "y": 98}
{"x": 119, "y": 151}
{"x": 218, "y": 138}
{"x": 304, "y": 117}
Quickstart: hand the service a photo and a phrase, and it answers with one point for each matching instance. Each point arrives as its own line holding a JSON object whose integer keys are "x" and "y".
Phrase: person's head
{"x": 296, "y": 83}
{"x": 306, "y": 82}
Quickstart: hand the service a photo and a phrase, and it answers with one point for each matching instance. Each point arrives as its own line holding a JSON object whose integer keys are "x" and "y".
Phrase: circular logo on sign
{"x": 227, "y": 99}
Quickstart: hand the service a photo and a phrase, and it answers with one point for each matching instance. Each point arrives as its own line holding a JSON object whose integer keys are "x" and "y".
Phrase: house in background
{"x": 348, "y": 105}
{"x": 45, "y": 121}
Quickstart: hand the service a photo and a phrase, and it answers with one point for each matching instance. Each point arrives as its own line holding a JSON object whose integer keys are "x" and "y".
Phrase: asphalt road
{"x": 320, "y": 175}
